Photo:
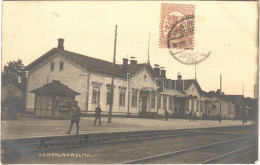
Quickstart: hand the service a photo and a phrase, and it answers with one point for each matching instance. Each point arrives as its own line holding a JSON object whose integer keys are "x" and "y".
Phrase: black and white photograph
{"x": 129, "y": 82}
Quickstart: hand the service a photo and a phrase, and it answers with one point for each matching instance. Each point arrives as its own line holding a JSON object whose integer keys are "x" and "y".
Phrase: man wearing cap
{"x": 98, "y": 115}
{"x": 75, "y": 117}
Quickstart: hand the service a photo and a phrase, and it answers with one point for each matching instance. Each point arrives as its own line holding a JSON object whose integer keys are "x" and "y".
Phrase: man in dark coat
{"x": 98, "y": 115}
{"x": 166, "y": 114}
{"x": 190, "y": 115}
{"x": 195, "y": 116}
{"x": 74, "y": 116}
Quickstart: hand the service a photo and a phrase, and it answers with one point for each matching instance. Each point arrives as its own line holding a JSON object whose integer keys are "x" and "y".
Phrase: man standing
{"x": 98, "y": 115}
{"x": 195, "y": 116}
{"x": 75, "y": 117}
{"x": 190, "y": 115}
{"x": 166, "y": 114}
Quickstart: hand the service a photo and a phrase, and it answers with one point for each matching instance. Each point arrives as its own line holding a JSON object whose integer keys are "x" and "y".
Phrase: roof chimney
{"x": 179, "y": 76}
{"x": 125, "y": 63}
{"x": 157, "y": 70}
{"x": 133, "y": 60}
{"x": 163, "y": 73}
{"x": 61, "y": 44}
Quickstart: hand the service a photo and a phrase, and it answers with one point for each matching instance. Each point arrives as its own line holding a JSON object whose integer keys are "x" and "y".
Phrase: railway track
{"x": 245, "y": 152}
{"x": 12, "y": 147}
{"x": 170, "y": 157}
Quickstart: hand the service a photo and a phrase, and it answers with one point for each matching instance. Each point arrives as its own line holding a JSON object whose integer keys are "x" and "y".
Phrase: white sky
{"x": 229, "y": 29}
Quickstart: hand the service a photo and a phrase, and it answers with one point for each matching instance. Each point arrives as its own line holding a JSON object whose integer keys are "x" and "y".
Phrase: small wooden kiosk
{"x": 53, "y": 100}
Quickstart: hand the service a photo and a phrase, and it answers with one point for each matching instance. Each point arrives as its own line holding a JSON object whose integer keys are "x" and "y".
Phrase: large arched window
{"x": 52, "y": 66}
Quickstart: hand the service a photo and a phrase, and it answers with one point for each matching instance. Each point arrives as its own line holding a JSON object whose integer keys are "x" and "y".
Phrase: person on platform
{"x": 190, "y": 115}
{"x": 98, "y": 115}
{"x": 75, "y": 117}
{"x": 195, "y": 116}
{"x": 166, "y": 114}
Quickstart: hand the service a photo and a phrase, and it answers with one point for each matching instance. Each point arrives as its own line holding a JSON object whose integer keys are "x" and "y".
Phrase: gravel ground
{"x": 33, "y": 127}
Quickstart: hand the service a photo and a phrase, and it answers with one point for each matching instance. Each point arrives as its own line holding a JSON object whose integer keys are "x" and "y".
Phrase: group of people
{"x": 75, "y": 113}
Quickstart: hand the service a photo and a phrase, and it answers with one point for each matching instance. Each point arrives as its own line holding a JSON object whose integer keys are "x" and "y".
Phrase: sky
{"x": 228, "y": 29}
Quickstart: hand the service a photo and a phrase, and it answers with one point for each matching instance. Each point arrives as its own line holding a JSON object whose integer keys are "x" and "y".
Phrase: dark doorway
{"x": 144, "y": 102}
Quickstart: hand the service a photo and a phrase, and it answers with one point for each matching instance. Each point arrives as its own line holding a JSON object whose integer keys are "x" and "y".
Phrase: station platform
{"x": 34, "y": 127}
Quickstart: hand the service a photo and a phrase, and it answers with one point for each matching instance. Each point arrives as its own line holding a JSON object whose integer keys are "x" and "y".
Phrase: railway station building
{"x": 139, "y": 89}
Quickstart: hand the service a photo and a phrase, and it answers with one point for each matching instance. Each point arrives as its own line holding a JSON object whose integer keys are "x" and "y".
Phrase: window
{"x": 109, "y": 96}
{"x": 197, "y": 105}
{"x": 134, "y": 99}
{"x": 122, "y": 99}
{"x": 192, "y": 105}
{"x": 95, "y": 95}
{"x": 177, "y": 105}
{"x": 201, "y": 106}
{"x": 61, "y": 105}
{"x": 10, "y": 94}
{"x": 153, "y": 101}
{"x": 52, "y": 66}
{"x": 159, "y": 102}
{"x": 170, "y": 102}
{"x": 61, "y": 65}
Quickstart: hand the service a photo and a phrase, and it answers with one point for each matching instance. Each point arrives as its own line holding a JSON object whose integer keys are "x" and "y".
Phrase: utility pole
{"x": 112, "y": 83}
{"x": 254, "y": 92}
{"x": 148, "y": 60}
{"x": 243, "y": 89}
{"x": 195, "y": 70}
{"x": 220, "y": 98}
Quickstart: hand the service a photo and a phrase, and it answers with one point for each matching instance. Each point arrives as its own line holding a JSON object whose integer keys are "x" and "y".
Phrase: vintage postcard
{"x": 133, "y": 82}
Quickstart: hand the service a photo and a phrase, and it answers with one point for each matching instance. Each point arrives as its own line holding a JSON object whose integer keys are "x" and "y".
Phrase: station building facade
{"x": 138, "y": 88}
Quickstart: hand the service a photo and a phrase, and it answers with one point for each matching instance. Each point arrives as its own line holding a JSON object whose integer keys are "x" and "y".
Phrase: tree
{"x": 14, "y": 73}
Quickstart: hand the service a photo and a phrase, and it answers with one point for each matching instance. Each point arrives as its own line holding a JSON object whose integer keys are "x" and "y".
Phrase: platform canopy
{"x": 55, "y": 88}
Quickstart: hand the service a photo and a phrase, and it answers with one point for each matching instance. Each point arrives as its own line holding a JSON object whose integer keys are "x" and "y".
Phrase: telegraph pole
{"x": 220, "y": 97}
{"x": 112, "y": 83}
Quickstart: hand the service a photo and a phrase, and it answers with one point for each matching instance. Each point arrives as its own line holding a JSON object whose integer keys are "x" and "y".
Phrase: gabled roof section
{"x": 40, "y": 59}
{"x": 55, "y": 88}
{"x": 94, "y": 63}
{"x": 182, "y": 85}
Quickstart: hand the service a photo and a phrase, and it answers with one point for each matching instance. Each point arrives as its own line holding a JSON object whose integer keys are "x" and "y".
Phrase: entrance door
{"x": 144, "y": 102}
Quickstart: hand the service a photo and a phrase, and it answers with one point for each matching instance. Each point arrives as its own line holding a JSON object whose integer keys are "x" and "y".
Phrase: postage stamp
{"x": 177, "y": 26}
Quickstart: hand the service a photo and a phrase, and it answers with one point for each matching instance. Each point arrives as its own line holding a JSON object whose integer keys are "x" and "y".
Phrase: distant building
{"x": 238, "y": 100}
{"x": 215, "y": 100}
{"x": 11, "y": 90}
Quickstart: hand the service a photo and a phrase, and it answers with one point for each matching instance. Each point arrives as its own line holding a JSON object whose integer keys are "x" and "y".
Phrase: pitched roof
{"x": 182, "y": 84}
{"x": 57, "y": 88}
{"x": 94, "y": 63}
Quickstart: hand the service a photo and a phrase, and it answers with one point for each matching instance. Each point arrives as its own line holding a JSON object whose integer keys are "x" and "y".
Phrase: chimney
{"x": 179, "y": 76}
{"x": 125, "y": 63}
{"x": 133, "y": 62}
{"x": 157, "y": 71}
{"x": 61, "y": 44}
{"x": 163, "y": 73}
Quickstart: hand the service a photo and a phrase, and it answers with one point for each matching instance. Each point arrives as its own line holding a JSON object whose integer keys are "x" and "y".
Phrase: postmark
{"x": 177, "y": 30}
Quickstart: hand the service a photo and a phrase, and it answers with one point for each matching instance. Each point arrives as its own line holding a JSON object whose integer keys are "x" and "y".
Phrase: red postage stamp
{"x": 177, "y": 26}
